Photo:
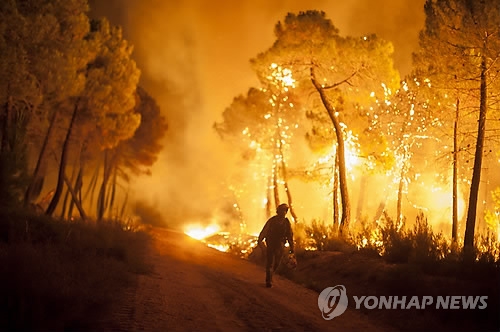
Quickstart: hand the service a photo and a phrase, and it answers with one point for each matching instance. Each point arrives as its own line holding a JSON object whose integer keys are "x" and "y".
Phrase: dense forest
{"x": 71, "y": 102}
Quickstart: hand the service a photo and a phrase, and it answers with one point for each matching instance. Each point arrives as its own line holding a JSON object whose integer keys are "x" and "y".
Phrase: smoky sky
{"x": 194, "y": 58}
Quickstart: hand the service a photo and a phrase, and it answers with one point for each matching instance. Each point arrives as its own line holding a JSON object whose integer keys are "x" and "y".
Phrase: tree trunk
{"x": 480, "y": 224}
{"x": 476, "y": 174}
{"x": 275, "y": 184}
{"x": 344, "y": 194}
{"x": 62, "y": 166}
{"x": 287, "y": 189}
{"x": 380, "y": 210}
{"x": 122, "y": 212}
{"x": 92, "y": 185}
{"x": 268, "y": 197}
{"x": 75, "y": 199}
{"x": 78, "y": 187}
{"x": 285, "y": 181}
{"x": 400, "y": 195}
{"x": 454, "y": 226}
{"x": 6, "y": 124}
{"x": 101, "y": 196}
{"x": 113, "y": 191}
{"x": 92, "y": 193}
{"x": 66, "y": 196}
{"x": 336, "y": 193}
{"x": 108, "y": 193}
{"x": 399, "y": 211}
{"x": 101, "y": 206}
{"x": 361, "y": 197}
{"x": 35, "y": 179}
{"x": 79, "y": 192}
{"x": 65, "y": 202}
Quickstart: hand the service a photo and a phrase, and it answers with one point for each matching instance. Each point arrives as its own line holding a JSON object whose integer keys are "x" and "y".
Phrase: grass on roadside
{"x": 62, "y": 275}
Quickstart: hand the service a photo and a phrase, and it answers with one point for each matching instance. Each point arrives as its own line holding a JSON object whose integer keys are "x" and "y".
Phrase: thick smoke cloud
{"x": 194, "y": 56}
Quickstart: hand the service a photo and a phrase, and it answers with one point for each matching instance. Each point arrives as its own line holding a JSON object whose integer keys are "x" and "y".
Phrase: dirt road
{"x": 196, "y": 288}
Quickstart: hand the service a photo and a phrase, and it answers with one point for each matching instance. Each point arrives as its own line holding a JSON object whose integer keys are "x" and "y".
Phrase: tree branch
{"x": 341, "y": 82}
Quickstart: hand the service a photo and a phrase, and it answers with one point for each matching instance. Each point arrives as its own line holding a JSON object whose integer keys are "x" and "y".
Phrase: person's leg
{"x": 278, "y": 254}
{"x": 269, "y": 262}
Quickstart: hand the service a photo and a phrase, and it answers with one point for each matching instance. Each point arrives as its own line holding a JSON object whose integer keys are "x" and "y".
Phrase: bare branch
{"x": 341, "y": 82}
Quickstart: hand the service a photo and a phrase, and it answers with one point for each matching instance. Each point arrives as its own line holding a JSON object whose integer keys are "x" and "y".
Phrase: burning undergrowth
{"x": 237, "y": 243}
{"x": 395, "y": 241}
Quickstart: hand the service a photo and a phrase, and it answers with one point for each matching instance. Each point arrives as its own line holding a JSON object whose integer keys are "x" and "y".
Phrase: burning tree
{"x": 451, "y": 97}
{"x": 450, "y": 107}
{"x": 492, "y": 217}
{"x": 266, "y": 119}
{"x": 465, "y": 36}
{"x": 279, "y": 82}
{"x": 245, "y": 126}
{"x": 403, "y": 117}
{"x": 337, "y": 68}
{"x": 366, "y": 149}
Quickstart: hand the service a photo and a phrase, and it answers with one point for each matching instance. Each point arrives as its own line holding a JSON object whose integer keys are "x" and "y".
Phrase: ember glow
{"x": 199, "y": 232}
{"x": 238, "y": 242}
{"x": 220, "y": 247}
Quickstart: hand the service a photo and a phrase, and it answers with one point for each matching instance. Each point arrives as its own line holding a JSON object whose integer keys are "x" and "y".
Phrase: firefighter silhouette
{"x": 276, "y": 232}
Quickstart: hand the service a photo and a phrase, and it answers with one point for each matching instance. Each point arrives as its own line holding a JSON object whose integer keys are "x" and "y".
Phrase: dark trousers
{"x": 274, "y": 254}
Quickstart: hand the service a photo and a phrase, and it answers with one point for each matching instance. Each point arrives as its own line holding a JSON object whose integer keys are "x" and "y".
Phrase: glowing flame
{"x": 220, "y": 247}
{"x": 310, "y": 248}
{"x": 442, "y": 200}
{"x": 282, "y": 76}
{"x": 352, "y": 152}
{"x": 199, "y": 232}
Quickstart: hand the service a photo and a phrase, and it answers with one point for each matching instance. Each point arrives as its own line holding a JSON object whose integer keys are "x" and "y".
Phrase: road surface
{"x": 196, "y": 288}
